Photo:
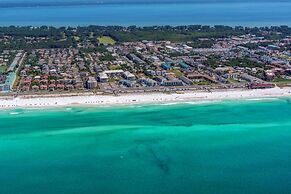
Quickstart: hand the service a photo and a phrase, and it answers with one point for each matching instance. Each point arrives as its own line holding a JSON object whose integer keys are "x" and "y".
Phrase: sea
{"x": 237, "y": 13}
{"x": 216, "y": 147}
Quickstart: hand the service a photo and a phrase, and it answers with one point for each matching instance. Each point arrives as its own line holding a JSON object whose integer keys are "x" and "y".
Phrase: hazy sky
{"x": 105, "y": 1}
{"x": 67, "y": 2}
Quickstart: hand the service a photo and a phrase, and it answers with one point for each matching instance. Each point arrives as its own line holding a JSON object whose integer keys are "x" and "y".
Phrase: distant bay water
{"x": 221, "y": 147}
{"x": 233, "y": 14}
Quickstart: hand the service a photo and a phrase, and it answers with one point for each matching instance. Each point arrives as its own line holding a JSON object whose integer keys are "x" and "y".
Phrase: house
{"x": 269, "y": 75}
{"x": 91, "y": 83}
{"x": 129, "y": 76}
{"x": 186, "y": 80}
{"x": 126, "y": 83}
{"x": 25, "y": 88}
{"x": 69, "y": 87}
{"x": 194, "y": 76}
{"x": 52, "y": 87}
{"x": 60, "y": 86}
{"x": 103, "y": 77}
{"x": 149, "y": 82}
{"x": 159, "y": 79}
{"x": 35, "y": 88}
{"x": 43, "y": 87}
{"x": 183, "y": 65}
{"x": 166, "y": 66}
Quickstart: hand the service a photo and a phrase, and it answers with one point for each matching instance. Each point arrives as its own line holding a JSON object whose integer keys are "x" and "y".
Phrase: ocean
{"x": 239, "y": 13}
{"x": 219, "y": 147}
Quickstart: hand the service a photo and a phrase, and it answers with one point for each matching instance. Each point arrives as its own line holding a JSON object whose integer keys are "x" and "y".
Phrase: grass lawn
{"x": 177, "y": 72}
{"x": 114, "y": 67}
{"x": 3, "y": 69}
{"x": 233, "y": 81}
{"x": 106, "y": 40}
{"x": 76, "y": 38}
{"x": 282, "y": 81}
{"x": 203, "y": 83}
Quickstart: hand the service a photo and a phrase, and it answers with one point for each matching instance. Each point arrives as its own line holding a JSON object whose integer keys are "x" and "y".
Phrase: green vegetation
{"x": 64, "y": 37}
{"x": 243, "y": 62}
{"x": 113, "y": 79}
{"x": 100, "y": 49}
{"x": 106, "y": 57}
{"x": 76, "y": 38}
{"x": 256, "y": 45}
{"x": 52, "y": 78}
{"x": 126, "y": 67}
{"x": 214, "y": 62}
{"x": 233, "y": 81}
{"x": 106, "y": 40}
{"x": 114, "y": 67}
{"x": 177, "y": 73}
{"x": 3, "y": 69}
{"x": 174, "y": 36}
{"x": 203, "y": 83}
{"x": 281, "y": 80}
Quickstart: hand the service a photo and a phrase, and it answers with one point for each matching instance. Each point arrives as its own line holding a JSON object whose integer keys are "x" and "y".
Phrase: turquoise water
{"x": 233, "y": 14}
{"x": 223, "y": 147}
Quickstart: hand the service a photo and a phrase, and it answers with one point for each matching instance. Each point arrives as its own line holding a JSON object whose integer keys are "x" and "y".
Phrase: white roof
{"x": 113, "y": 71}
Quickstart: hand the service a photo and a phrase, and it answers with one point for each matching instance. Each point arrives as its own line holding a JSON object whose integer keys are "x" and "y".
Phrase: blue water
{"x": 240, "y": 147}
{"x": 245, "y": 14}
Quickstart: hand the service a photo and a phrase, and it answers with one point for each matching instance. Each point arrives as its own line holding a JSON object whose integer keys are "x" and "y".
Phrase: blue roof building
{"x": 166, "y": 66}
{"x": 183, "y": 65}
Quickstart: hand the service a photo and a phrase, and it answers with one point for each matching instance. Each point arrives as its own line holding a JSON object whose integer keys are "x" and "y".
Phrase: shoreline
{"x": 138, "y": 99}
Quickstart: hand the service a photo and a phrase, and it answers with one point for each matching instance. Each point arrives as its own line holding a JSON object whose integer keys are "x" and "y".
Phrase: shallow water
{"x": 221, "y": 147}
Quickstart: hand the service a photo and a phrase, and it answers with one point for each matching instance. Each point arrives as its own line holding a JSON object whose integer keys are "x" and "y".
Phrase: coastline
{"x": 135, "y": 99}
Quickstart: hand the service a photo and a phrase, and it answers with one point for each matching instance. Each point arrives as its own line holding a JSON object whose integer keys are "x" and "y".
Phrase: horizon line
{"x": 67, "y": 4}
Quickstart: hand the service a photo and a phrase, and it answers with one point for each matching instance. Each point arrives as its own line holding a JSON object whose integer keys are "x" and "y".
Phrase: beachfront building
{"x": 9, "y": 82}
{"x": 103, "y": 77}
{"x": 148, "y": 82}
{"x": 174, "y": 82}
{"x": 200, "y": 77}
{"x": 126, "y": 83}
{"x": 91, "y": 83}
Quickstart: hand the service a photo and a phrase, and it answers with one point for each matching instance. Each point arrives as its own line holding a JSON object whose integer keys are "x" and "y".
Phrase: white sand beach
{"x": 144, "y": 98}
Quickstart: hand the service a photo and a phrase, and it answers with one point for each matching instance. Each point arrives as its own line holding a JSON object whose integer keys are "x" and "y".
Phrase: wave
{"x": 203, "y": 102}
{"x": 14, "y": 113}
{"x": 169, "y": 104}
{"x": 261, "y": 99}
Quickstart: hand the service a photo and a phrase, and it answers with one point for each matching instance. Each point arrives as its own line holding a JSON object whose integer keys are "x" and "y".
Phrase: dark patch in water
{"x": 182, "y": 125}
{"x": 288, "y": 101}
{"x": 162, "y": 164}
{"x": 135, "y": 151}
{"x": 149, "y": 140}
